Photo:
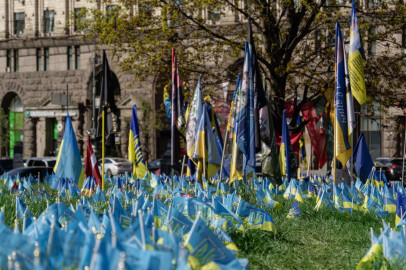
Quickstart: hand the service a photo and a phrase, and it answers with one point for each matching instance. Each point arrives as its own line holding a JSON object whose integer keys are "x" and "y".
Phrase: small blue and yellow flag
{"x": 134, "y": 147}
{"x": 400, "y": 208}
{"x": 68, "y": 163}
{"x": 294, "y": 211}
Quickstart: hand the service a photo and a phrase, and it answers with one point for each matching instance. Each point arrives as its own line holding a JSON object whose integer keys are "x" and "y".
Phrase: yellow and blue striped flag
{"x": 134, "y": 147}
{"x": 68, "y": 163}
{"x": 356, "y": 59}
{"x": 342, "y": 143}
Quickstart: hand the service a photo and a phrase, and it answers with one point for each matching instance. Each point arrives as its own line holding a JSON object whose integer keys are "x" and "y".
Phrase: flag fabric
{"x": 342, "y": 144}
{"x": 178, "y": 144}
{"x": 206, "y": 146}
{"x": 68, "y": 163}
{"x": 196, "y": 109}
{"x": 286, "y": 159}
{"x": 294, "y": 211}
{"x": 134, "y": 147}
{"x": 167, "y": 101}
{"x": 236, "y": 154}
{"x": 91, "y": 165}
{"x": 245, "y": 116}
{"x": 400, "y": 208}
{"x": 243, "y": 142}
{"x": 107, "y": 104}
{"x": 356, "y": 58}
{"x": 257, "y": 87}
{"x": 269, "y": 160}
{"x": 362, "y": 158}
{"x": 318, "y": 139}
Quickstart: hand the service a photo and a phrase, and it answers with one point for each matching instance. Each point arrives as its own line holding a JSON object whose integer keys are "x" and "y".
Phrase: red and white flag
{"x": 91, "y": 166}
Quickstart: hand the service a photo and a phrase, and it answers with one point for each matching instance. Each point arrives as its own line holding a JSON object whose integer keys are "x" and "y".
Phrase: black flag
{"x": 108, "y": 105}
{"x": 260, "y": 100}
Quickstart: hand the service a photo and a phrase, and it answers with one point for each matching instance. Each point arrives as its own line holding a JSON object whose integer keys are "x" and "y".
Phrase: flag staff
{"x": 335, "y": 144}
{"x": 183, "y": 165}
{"x": 404, "y": 153}
{"x": 103, "y": 148}
{"x": 222, "y": 156}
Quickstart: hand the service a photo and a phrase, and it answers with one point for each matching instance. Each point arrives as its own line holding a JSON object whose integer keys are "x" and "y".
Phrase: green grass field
{"x": 322, "y": 239}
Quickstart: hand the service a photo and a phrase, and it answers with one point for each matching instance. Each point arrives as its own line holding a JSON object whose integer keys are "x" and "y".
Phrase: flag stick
{"x": 335, "y": 150}
{"x": 183, "y": 165}
{"x": 222, "y": 156}
{"x": 352, "y": 158}
{"x": 103, "y": 149}
{"x": 404, "y": 153}
{"x": 310, "y": 160}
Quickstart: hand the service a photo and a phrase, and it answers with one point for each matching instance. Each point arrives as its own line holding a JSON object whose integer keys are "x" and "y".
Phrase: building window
{"x": 16, "y": 127}
{"x": 371, "y": 127}
{"x": 317, "y": 42}
{"x": 214, "y": 14}
{"x": 110, "y": 10}
{"x": 9, "y": 60}
{"x": 77, "y": 57}
{"x": 70, "y": 58}
{"x": 79, "y": 17}
{"x": 46, "y": 59}
{"x": 39, "y": 59}
{"x": 330, "y": 42}
{"x": 372, "y": 41}
{"x": 373, "y": 4}
{"x": 48, "y": 21}
{"x": 404, "y": 38}
{"x": 16, "y": 61}
{"x": 19, "y": 23}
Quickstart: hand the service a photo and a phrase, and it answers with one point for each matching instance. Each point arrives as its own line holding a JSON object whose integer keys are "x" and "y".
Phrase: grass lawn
{"x": 323, "y": 239}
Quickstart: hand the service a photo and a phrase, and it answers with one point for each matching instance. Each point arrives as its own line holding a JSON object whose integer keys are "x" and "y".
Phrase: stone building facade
{"x": 44, "y": 60}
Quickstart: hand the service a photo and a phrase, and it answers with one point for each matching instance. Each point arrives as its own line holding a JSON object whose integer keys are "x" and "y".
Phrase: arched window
{"x": 16, "y": 126}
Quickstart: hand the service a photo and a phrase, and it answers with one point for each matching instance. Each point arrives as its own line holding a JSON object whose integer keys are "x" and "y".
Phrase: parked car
{"x": 34, "y": 171}
{"x": 41, "y": 162}
{"x": 116, "y": 166}
{"x": 392, "y": 166}
{"x": 162, "y": 164}
{"x": 6, "y": 164}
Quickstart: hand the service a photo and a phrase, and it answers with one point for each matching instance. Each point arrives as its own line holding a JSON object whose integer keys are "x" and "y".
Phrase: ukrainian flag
{"x": 207, "y": 151}
{"x": 68, "y": 163}
{"x": 342, "y": 144}
{"x": 356, "y": 58}
{"x": 134, "y": 147}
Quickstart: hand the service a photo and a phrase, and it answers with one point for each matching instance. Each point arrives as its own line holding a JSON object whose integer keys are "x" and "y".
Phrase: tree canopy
{"x": 294, "y": 40}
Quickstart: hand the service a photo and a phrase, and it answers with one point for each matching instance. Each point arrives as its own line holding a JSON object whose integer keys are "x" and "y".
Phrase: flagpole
{"x": 335, "y": 150}
{"x": 183, "y": 165}
{"x": 103, "y": 149}
{"x": 352, "y": 158}
{"x": 404, "y": 153}
{"x": 222, "y": 156}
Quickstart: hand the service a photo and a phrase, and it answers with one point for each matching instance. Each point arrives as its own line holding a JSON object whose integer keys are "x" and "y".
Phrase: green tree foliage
{"x": 294, "y": 39}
